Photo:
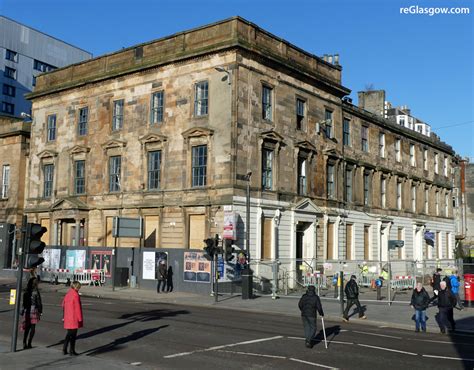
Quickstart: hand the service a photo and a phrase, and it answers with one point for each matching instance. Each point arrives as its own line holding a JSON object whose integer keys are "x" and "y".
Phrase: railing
{"x": 289, "y": 277}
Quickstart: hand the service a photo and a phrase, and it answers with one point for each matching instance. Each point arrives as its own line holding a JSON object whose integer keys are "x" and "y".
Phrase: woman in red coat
{"x": 72, "y": 317}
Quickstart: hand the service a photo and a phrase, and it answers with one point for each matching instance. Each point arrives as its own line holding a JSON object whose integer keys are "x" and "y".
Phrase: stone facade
{"x": 469, "y": 241}
{"x": 14, "y": 150}
{"x": 272, "y": 109}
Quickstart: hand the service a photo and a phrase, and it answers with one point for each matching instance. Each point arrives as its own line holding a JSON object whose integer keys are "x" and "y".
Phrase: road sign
{"x": 392, "y": 244}
{"x": 124, "y": 227}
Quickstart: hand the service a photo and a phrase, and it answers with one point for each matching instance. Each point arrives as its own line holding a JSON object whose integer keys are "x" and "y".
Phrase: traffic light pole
{"x": 216, "y": 280}
{"x": 21, "y": 262}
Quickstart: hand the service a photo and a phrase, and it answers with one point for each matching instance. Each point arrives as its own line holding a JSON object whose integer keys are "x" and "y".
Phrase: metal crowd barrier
{"x": 90, "y": 277}
{"x": 367, "y": 280}
{"x": 403, "y": 282}
{"x": 56, "y": 275}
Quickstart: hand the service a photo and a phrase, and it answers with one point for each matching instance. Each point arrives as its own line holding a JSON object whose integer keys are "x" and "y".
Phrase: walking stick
{"x": 324, "y": 333}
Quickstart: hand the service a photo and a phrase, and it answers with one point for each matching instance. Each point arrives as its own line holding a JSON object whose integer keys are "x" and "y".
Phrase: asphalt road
{"x": 178, "y": 337}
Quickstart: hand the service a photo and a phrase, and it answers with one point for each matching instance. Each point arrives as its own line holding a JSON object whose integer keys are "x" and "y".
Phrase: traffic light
{"x": 210, "y": 248}
{"x": 228, "y": 250}
{"x": 34, "y": 245}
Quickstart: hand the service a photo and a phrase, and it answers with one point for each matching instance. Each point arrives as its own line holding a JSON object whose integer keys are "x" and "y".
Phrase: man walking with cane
{"x": 310, "y": 305}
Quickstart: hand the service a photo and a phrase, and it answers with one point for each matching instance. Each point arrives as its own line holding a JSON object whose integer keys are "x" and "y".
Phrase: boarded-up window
{"x": 108, "y": 232}
{"x": 45, "y": 223}
{"x": 366, "y": 242}
{"x": 400, "y": 237}
{"x": 266, "y": 247}
{"x": 330, "y": 246}
{"x": 197, "y": 231}
{"x": 349, "y": 241}
{"x": 151, "y": 231}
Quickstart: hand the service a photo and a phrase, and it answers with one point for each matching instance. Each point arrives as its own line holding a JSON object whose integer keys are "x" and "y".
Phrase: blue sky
{"x": 425, "y": 62}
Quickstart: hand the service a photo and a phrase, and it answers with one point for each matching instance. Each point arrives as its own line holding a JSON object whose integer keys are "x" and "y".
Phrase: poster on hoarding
{"x": 75, "y": 259}
{"x": 52, "y": 258}
{"x": 229, "y": 270}
{"x": 100, "y": 260}
{"x": 197, "y": 268}
{"x": 148, "y": 266}
{"x": 230, "y": 223}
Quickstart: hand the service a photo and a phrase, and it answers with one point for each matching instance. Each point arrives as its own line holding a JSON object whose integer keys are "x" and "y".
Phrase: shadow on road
{"x": 142, "y": 316}
{"x": 356, "y": 311}
{"x": 117, "y": 344}
{"x": 331, "y": 333}
{"x": 152, "y": 315}
{"x": 464, "y": 341}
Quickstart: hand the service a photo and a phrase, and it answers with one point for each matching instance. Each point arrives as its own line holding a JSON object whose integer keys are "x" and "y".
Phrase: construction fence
{"x": 378, "y": 281}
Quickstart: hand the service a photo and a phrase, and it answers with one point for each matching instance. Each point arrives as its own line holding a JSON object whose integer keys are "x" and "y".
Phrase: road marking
{"x": 300, "y": 338}
{"x": 441, "y": 341}
{"x": 377, "y": 335}
{"x": 253, "y": 354}
{"x": 223, "y": 346}
{"x": 450, "y": 358}
{"x": 335, "y": 341}
{"x": 312, "y": 363}
{"x": 388, "y": 349}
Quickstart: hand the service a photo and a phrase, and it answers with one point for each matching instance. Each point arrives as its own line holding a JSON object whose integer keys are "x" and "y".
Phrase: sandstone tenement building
{"x": 167, "y": 130}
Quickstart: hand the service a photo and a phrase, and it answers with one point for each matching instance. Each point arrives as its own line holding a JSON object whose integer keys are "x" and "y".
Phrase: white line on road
{"x": 301, "y": 338}
{"x": 253, "y": 354}
{"x": 388, "y": 349}
{"x": 312, "y": 363}
{"x": 450, "y": 358}
{"x": 337, "y": 342}
{"x": 377, "y": 335}
{"x": 223, "y": 346}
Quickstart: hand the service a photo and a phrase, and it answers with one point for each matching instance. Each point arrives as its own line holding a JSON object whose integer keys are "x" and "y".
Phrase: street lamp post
{"x": 247, "y": 227}
{"x": 247, "y": 274}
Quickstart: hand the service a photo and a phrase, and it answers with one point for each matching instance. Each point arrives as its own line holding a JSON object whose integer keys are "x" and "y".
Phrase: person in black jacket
{"x": 32, "y": 310}
{"x": 436, "y": 279}
{"x": 446, "y": 302}
{"x": 162, "y": 275}
{"x": 352, "y": 294}
{"x": 169, "y": 280}
{"x": 420, "y": 301}
{"x": 310, "y": 305}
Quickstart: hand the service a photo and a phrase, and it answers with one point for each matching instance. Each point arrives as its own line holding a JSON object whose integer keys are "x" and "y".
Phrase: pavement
{"x": 379, "y": 316}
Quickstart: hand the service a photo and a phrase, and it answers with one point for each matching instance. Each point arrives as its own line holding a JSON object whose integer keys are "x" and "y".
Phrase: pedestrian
{"x": 72, "y": 317}
{"x": 32, "y": 311}
{"x": 436, "y": 280}
{"x": 169, "y": 280}
{"x": 162, "y": 272}
{"x": 454, "y": 279}
{"x": 446, "y": 302}
{"x": 420, "y": 301}
{"x": 310, "y": 305}
{"x": 352, "y": 294}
